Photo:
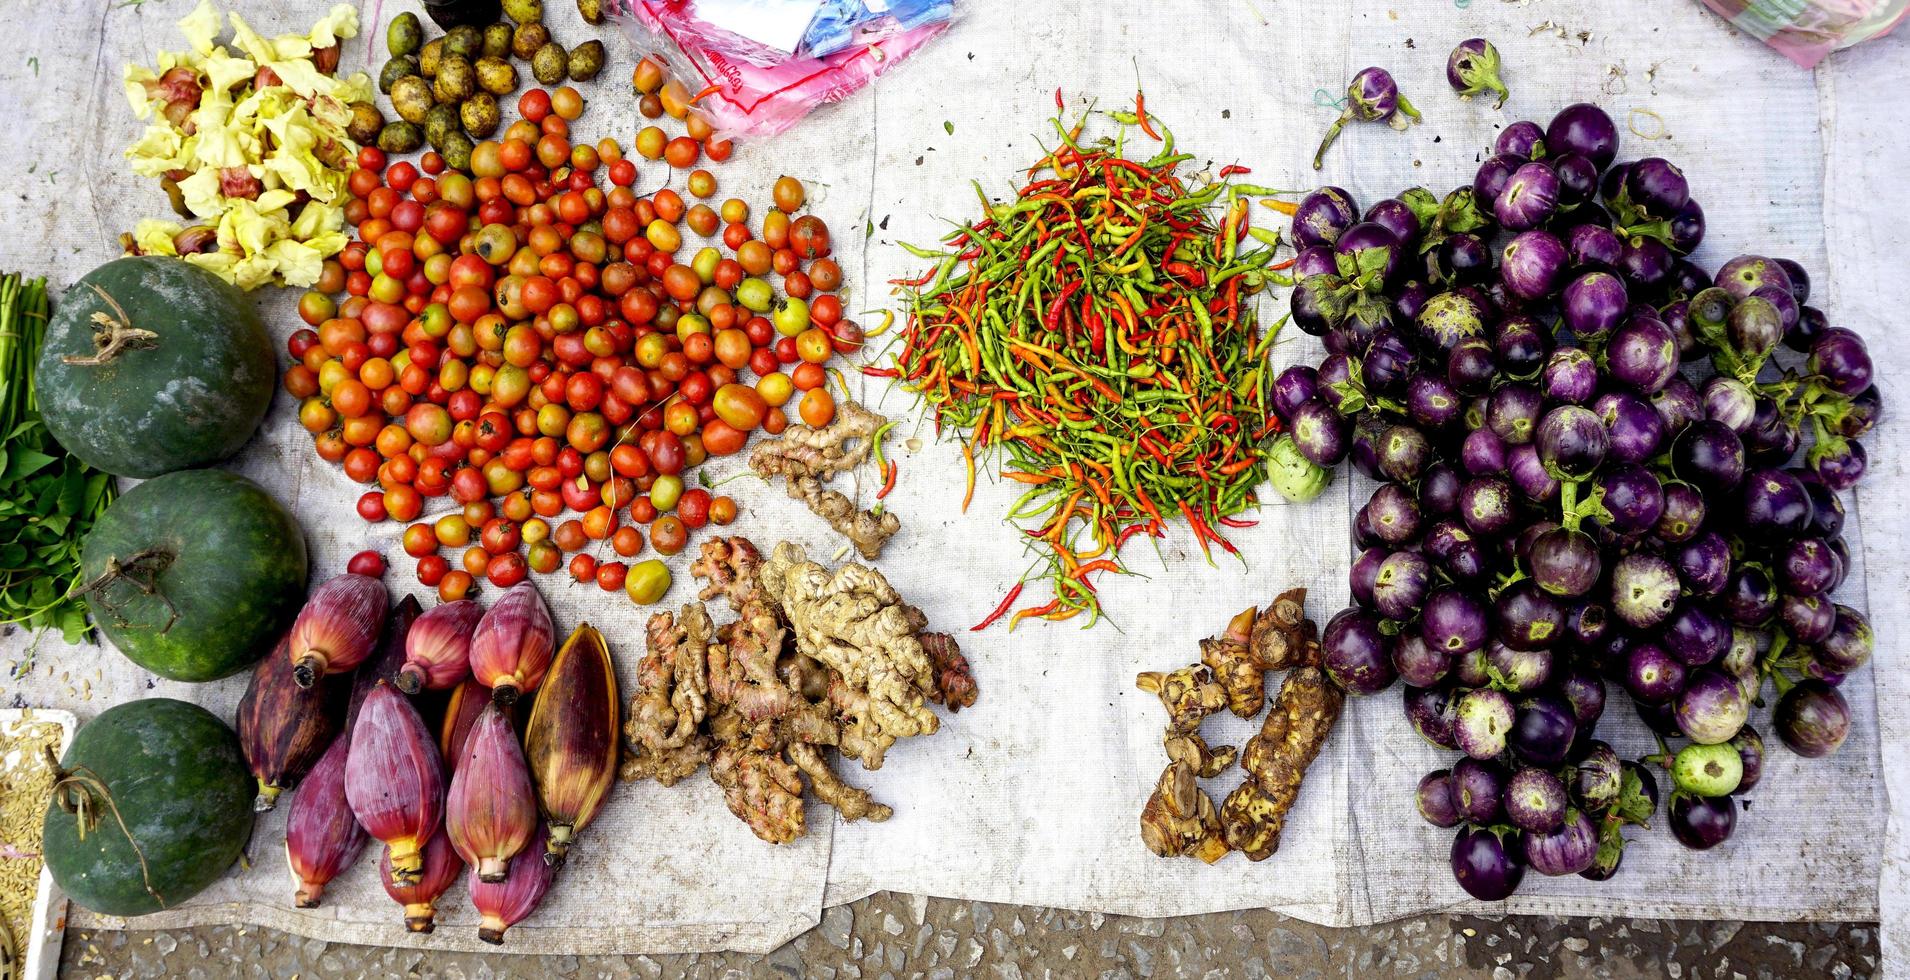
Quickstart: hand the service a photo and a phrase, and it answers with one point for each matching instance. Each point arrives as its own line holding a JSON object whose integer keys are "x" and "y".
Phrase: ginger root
{"x": 954, "y": 686}
{"x": 805, "y": 457}
{"x": 1179, "y": 819}
{"x": 763, "y": 791}
{"x": 1189, "y": 694}
{"x": 854, "y": 804}
{"x": 1279, "y": 635}
{"x": 672, "y": 699}
{"x": 853, "y": 623}
{"x": 1255, "y": 643}
{"x": 1197, "y": 755}
{"x": 813, "y": 659}
{"x": 1276, "y": 760}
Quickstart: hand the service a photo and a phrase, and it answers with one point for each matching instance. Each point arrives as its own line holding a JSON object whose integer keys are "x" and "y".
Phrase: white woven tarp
{"x": 1032, "y": 796}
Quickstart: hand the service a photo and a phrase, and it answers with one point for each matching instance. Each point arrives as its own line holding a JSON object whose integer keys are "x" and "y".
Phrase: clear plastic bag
{"x": 1806, "y": 31}
{"x": 759, "y": 66}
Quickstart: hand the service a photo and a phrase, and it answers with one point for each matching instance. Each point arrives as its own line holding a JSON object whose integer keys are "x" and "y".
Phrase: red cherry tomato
{"x": 368, "y": 562}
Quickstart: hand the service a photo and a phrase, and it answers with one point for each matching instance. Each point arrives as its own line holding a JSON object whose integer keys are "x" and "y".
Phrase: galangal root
{"x": 813, "y": 659}
{"x": 806, "y": 457}
{"x": 1180, "y": 819}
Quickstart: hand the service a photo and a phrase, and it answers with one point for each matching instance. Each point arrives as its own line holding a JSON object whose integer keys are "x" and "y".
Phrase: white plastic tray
{"x": 48, "y": 926}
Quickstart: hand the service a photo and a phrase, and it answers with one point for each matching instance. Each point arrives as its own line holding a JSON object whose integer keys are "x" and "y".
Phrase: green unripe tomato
{"x": 666, "y": 492}
{"x": 435, "y": 320}
{"x": 791, "y": 316}
{"x": 704, "y": 265}
{"x": 755, "y": 295}
{"x": 691, "y": 324}
{"x": 647, "y": 581}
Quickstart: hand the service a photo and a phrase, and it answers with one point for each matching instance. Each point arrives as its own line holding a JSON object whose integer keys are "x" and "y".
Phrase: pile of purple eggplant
{"x": 1602, "y": 468}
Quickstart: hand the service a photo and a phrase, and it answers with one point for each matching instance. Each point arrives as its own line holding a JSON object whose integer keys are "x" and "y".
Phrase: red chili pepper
{"x": 1053, "y": 318}
{"x": 1183, "y": 270}
{"x": 927, "y": 277}
{"x": 1238, "y": 466}
{"x": 1058, "y": 106}
{"x": 879, "y": 372}
{"x": 1235, "y": 522}
{"x": 888, "y": 484}
{"x": 1129, "y": 165}
{"x": 1131, "y": 530}
{"x": 1000, "y": 610}
{"x": 1147, "y": 444}
{"x": 1233, "y": 170}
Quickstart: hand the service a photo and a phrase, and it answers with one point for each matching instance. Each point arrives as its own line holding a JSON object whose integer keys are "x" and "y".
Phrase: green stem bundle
{"x": 48, "y": 499}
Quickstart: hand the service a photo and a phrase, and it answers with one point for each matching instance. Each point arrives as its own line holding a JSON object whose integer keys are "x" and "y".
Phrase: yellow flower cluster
{"x": 288, "y": 136}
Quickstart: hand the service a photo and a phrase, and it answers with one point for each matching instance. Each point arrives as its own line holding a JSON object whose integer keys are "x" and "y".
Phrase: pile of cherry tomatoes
{"x": 550, "y": 355}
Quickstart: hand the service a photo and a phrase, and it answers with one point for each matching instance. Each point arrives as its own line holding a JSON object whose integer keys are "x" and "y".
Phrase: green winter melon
{"x": 153, "y": 804}
{"x": 194, "y": 575}
{"x": 152, "y": 365}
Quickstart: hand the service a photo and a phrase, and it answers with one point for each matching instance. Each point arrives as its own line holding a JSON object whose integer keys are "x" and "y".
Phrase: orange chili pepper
{"x": 1041, "y": 610}
{"x": 968, "y": 463}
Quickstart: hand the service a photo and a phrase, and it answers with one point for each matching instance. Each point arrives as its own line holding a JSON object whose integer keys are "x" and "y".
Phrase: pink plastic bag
{"x": 742, "y": 87}
{"x": 1806, "y": 31}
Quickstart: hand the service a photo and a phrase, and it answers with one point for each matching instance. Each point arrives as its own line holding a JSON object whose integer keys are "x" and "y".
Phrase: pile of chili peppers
{"x": 1096, "y": 336}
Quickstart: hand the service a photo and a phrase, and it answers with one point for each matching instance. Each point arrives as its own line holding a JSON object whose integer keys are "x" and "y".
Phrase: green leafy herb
{"x": 48, "y": 499}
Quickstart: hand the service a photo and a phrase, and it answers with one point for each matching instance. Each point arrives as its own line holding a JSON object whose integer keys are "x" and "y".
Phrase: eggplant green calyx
{"x": 1473, "y": 68}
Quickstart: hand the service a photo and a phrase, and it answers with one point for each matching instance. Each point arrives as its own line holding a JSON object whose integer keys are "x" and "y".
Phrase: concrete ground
{"x": 900, "y": 936}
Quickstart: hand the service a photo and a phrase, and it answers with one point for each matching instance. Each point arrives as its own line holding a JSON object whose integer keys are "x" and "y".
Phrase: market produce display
{"x": 251, "y": 141}
{"x": 194, "y": 575}
{"x": 1600, "y": 467}
{"x": 151, "y": 803}
{"x": 49, "y": 498}
{"x": 151, "y": 365}
{"x": 813, "y": 659}
{"x": 1107, "y": 307}
{"x": 1563, "y": 508}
